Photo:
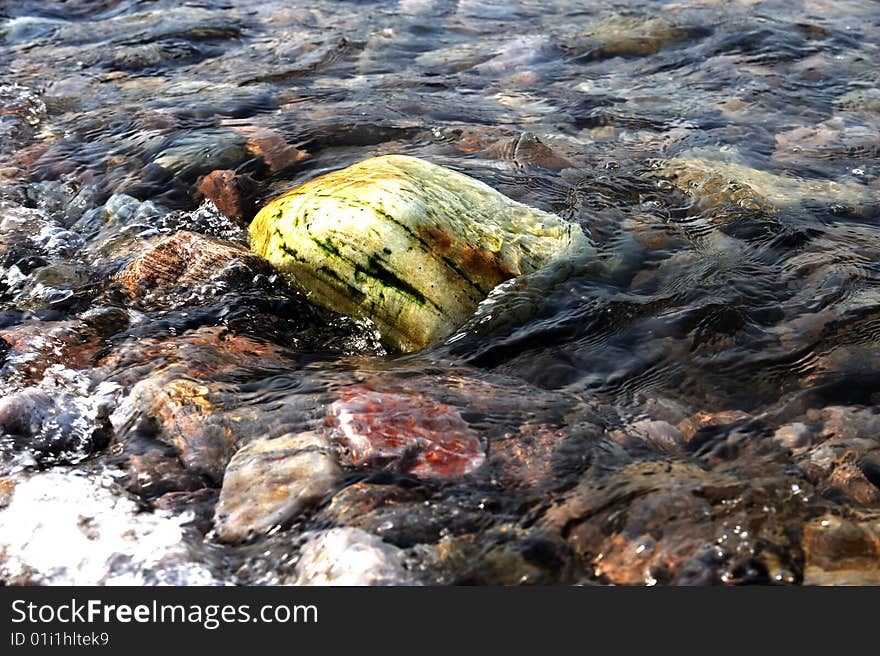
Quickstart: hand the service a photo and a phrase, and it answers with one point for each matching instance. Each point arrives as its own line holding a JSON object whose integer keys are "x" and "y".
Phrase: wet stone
{"x": 271, "y": 481}
{"x": 408, "y": 433}
{"x": 157, "y": 471}
{"x": 524, "y": 459}
{"x": 408, "y": 244}
{"x": 187, "y": 415}
{"x": 178, "y": 266}
{"x": 64, "y": 418}
{"x": 502, "y": 556}
{"x": 354, "y": 502}
{"x": 272, "y": 148}
{"x": 351, "y": 557}
{"x": 34, "y": 346}
{"x": 841, "y": 552}
{"x": 231, "y": 193}
{"x": 194, "y": 153}
{"x": 675, "y": 523}
{"x": 207, "y": 352}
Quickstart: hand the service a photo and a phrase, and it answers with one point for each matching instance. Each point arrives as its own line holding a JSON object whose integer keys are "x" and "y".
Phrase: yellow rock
{"x": 411, "y": 245}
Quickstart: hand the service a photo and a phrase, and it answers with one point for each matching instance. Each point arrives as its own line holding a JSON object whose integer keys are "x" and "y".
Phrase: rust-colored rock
{"x": 232, "y": 194}
{"x": 172, "y": 267}
{"x": 34, "y": 346}
{"x": 270, "y": 146}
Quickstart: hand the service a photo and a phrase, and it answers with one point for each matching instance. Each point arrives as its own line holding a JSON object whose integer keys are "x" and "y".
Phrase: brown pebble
{"x": 232, "y": 194}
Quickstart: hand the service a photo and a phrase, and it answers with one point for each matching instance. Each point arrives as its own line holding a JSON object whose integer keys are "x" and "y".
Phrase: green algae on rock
{"x": 411, "y": 245}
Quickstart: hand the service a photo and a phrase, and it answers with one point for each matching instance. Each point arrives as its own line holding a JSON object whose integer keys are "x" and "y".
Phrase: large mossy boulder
{"x": 408, "y": 244}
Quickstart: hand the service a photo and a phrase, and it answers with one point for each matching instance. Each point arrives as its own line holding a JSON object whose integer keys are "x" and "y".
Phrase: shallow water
{"x": 697, "y": 405}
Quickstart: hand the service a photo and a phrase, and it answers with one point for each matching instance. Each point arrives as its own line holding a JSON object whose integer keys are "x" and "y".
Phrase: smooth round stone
{"x": 410, "y": 245}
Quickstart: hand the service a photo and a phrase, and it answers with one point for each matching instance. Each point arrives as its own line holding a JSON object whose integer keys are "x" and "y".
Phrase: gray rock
{"x": 351, "y": 557}
{"x": 269, "y": 482}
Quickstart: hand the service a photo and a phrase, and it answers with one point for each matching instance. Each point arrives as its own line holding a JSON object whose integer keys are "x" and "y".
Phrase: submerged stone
{"x": 411, "y": 245}
{"x": 405, "y": 432}
{"x": 174, "y": 267}
{"x": 350, "y": 557}
{"x": 269, "y": 482}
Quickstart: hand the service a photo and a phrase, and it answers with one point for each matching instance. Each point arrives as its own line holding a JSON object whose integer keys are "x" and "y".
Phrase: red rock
{"x": 409, "y": 433}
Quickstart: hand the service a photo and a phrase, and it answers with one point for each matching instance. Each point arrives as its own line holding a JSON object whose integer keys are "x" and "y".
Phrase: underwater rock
{"x": 183, "y": 263}
{"x": 350, "y": 556}
{"x": 188, "y": 416}
{"x": 717, "y": 193}
{"x": 205, "y": 352}
{"x": 504, "y": 555}
{"x": 271, "y": 481}
{"x": 715, "y": 184}
{"x": 63, "y": 418}
{"x": 841, "y": 552}
{"x": 522, "y": 148}
{"x": 34, "y": 346}
{"x": 408, "y": 244}
{"x": 197, "y": 152}
{"x": 675, "y": 523}
{"x": 271, "y": 147}
{"x": 404, "y": 432}
{"x": 634, "y": 36}
{"x": 231, "y": 193}
{"x": 158, "y": 471}
{"x": 524, "y": 459}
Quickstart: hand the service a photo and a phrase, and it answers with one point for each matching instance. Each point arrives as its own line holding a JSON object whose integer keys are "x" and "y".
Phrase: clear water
{"x": 689, "y": 408}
